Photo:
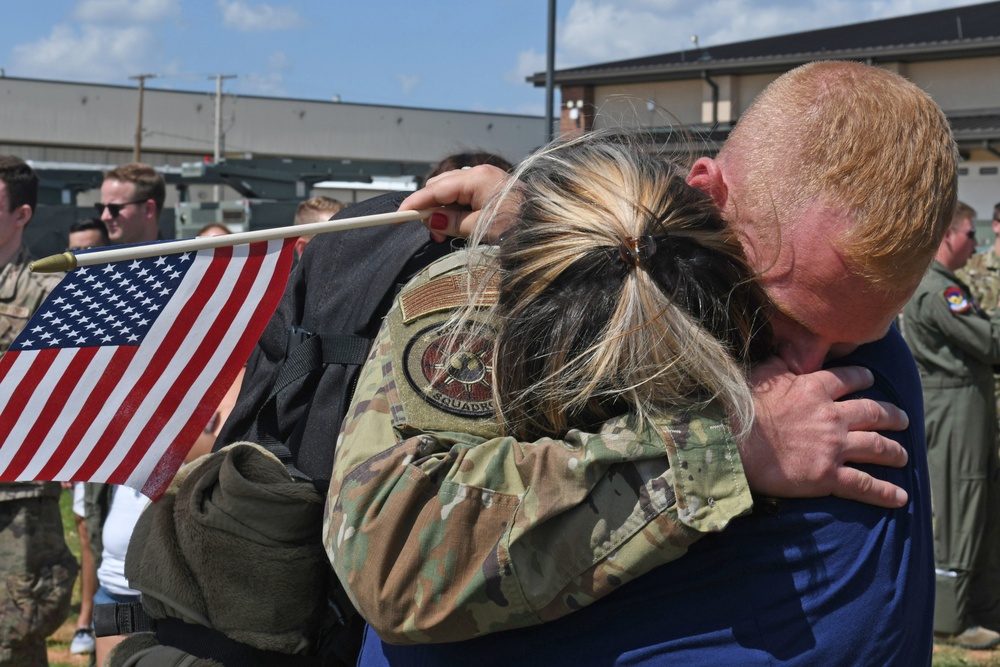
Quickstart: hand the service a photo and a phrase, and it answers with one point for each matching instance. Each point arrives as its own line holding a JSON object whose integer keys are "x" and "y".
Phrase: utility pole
{"x": 137, "y": 155}
{"x": 217, "y": 154}
{"x": 550, "y": 68}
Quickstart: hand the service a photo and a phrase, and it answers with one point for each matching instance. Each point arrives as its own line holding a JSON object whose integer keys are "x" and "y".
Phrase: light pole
{"x": 217, "y": 153}
{"x": 550, "y": 65}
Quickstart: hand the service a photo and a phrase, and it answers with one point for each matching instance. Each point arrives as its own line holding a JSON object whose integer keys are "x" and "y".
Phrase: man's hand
{"x": 465, "y": 192}
{"x": 802, "y": 438}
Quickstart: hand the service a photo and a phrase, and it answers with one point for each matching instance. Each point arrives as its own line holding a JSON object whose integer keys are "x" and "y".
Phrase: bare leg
{"x": 88, "y": 576}
{"x": 105, "y": 644}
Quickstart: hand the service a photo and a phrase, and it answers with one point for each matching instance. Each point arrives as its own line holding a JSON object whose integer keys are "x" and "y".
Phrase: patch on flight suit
{"x": 957, "y": 302}
{"x": 454, "y": 373}
{"x": 448, "y": 293}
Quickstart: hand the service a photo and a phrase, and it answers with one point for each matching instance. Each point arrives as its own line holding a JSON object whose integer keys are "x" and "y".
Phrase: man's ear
{"x": 21, "y": 215}
{"x": 706, "y": 176}
{"x": 300, "y": 246}
{"x": 149, "y": 209}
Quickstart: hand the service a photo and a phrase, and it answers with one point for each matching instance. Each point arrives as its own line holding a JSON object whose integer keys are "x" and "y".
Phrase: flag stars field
{"x": 126, "y": 297}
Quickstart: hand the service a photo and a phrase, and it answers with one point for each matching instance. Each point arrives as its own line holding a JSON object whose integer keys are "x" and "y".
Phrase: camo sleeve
{"x": 441, "y": 529}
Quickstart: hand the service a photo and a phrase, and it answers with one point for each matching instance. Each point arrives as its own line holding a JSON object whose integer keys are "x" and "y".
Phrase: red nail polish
{"x": 439, "y": 221}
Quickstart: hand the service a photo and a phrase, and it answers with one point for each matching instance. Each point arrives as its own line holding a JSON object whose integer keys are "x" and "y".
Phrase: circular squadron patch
{"x": 454, "y": 373}
{"x": 956, "y": 300}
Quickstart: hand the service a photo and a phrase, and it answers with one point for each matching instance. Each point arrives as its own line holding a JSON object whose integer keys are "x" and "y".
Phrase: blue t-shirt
{"x": 808, "y": 582}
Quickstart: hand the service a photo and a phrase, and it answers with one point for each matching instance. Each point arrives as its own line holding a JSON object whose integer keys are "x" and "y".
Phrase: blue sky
{"x": 448, "y": 54}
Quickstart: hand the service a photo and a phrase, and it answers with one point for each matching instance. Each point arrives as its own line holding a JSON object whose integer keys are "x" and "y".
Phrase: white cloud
{"x": 279, "y": 61}
{"x": 597, "y": 30}
{"x": 271, "y": 82}
{"x": 85, "y": 53}
{"x": 245, "y": 17}
{"x": 119, "y": 12}
{"x": 407, "y": 82}
{"x": 528, "y": 62}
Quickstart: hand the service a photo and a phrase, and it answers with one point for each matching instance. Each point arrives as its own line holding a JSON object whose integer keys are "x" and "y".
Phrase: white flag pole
{"x": 68, "y": 261}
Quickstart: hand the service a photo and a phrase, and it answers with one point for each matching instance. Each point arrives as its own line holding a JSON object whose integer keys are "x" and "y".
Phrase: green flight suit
{"x": 956, "y": 345}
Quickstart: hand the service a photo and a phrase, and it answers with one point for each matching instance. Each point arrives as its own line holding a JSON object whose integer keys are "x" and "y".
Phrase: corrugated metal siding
{"x": 93, "y": 118}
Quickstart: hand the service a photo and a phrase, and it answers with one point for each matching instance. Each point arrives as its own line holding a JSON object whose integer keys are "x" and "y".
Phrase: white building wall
{"x": 979, "y": 187}
{"x": 89, "y": 117}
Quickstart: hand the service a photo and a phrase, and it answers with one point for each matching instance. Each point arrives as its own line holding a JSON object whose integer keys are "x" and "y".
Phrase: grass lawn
{"x": 947, "y": 656}
{"x": 58, "y": 644}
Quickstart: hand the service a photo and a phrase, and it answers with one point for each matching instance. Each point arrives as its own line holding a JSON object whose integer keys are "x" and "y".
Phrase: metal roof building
{"x": 274, "y": 150}
{"x": 57, "y": 122}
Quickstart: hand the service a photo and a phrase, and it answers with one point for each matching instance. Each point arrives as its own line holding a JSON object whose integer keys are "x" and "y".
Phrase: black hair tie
{"x": 636, "y": 251}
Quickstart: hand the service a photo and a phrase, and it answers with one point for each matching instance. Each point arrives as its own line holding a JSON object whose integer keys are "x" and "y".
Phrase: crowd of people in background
{"x": 637, "y": 384}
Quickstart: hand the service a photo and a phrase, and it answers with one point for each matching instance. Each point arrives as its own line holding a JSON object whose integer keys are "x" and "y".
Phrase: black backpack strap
{"x": 307, "y": 352}
{"x": 121, "y": 618}
{"x": 210, "y": 644}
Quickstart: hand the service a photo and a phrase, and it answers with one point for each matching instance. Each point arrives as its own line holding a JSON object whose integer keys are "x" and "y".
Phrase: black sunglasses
{"x": 115, "y": 209}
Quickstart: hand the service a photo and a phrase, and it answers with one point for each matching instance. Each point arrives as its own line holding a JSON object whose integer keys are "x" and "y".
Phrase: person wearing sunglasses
{"x": 956, "y": 346}
{"x": 132, "y": 198}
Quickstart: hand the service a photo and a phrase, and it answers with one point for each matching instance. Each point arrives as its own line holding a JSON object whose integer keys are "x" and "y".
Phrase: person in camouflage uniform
{"x": 982, "y": 272}
{"x": 863, "y": 576}
{"x": 418, "y": 384}
{"x": 38, "y": 569}
{"x": 982, "y": 275}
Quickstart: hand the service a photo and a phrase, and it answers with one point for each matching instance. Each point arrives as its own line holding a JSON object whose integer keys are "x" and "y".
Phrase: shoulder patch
{"x": 957, "y": 302}
{"x": 447, "y": 292}
{"x": 452, "y": 373}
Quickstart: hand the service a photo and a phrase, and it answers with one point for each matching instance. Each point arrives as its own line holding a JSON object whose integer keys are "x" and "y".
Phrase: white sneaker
{"x": 83, "y": 641}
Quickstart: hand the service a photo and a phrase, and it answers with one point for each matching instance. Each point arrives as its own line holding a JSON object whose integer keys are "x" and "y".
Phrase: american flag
{"x": 117, "y": 373}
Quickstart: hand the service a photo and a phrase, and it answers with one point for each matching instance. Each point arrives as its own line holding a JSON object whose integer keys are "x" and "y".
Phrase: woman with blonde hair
{"x": 615, "y": 302}
{"x": 621, "y": 289}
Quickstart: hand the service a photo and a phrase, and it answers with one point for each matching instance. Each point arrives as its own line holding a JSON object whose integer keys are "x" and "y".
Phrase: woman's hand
{"x": 464, "y": 192}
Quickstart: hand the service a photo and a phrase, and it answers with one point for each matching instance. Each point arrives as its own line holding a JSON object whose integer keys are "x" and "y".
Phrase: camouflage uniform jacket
{"x": 21, "y": 293}
{"x": 442, "y": 529}
{"x": 982, "y": 275}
